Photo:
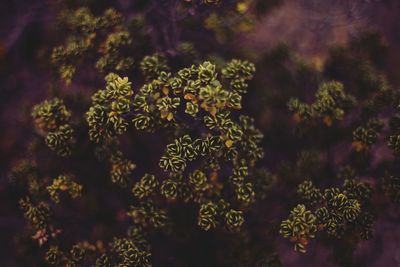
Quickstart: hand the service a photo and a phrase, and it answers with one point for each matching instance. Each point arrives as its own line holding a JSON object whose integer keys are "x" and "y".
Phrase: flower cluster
{"x": 111, "y": 50}
{"x": 299, "y": 227}
{"x": 212, "y": 214}
{"x": 106, "y": 120}
{"x": 106, "y": 115}
{"x": 330, "y": 104}
{"x": 334, "y": 211}
{"x": 51, "y": 118}
{"x": 194, "y": 96}
{"x": 148, "y": 214}
{"x": 365, "y": 136}
{"x": 64, "y": 183}
{"x": 56, "y": 257}
{"x": 103, "y": 36}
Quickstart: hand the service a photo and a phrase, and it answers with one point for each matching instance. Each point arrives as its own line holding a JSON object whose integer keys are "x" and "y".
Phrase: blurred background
{"x": 282, "y": 35}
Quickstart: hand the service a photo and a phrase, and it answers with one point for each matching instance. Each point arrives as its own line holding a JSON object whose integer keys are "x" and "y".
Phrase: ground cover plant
{"x": 157, "y": 146}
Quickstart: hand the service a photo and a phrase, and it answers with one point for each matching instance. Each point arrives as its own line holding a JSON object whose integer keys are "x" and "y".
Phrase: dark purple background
{"x": 309, "y": 27}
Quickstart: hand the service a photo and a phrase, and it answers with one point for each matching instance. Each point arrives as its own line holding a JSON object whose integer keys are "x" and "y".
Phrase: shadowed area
{"x": 309, "y": 28}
